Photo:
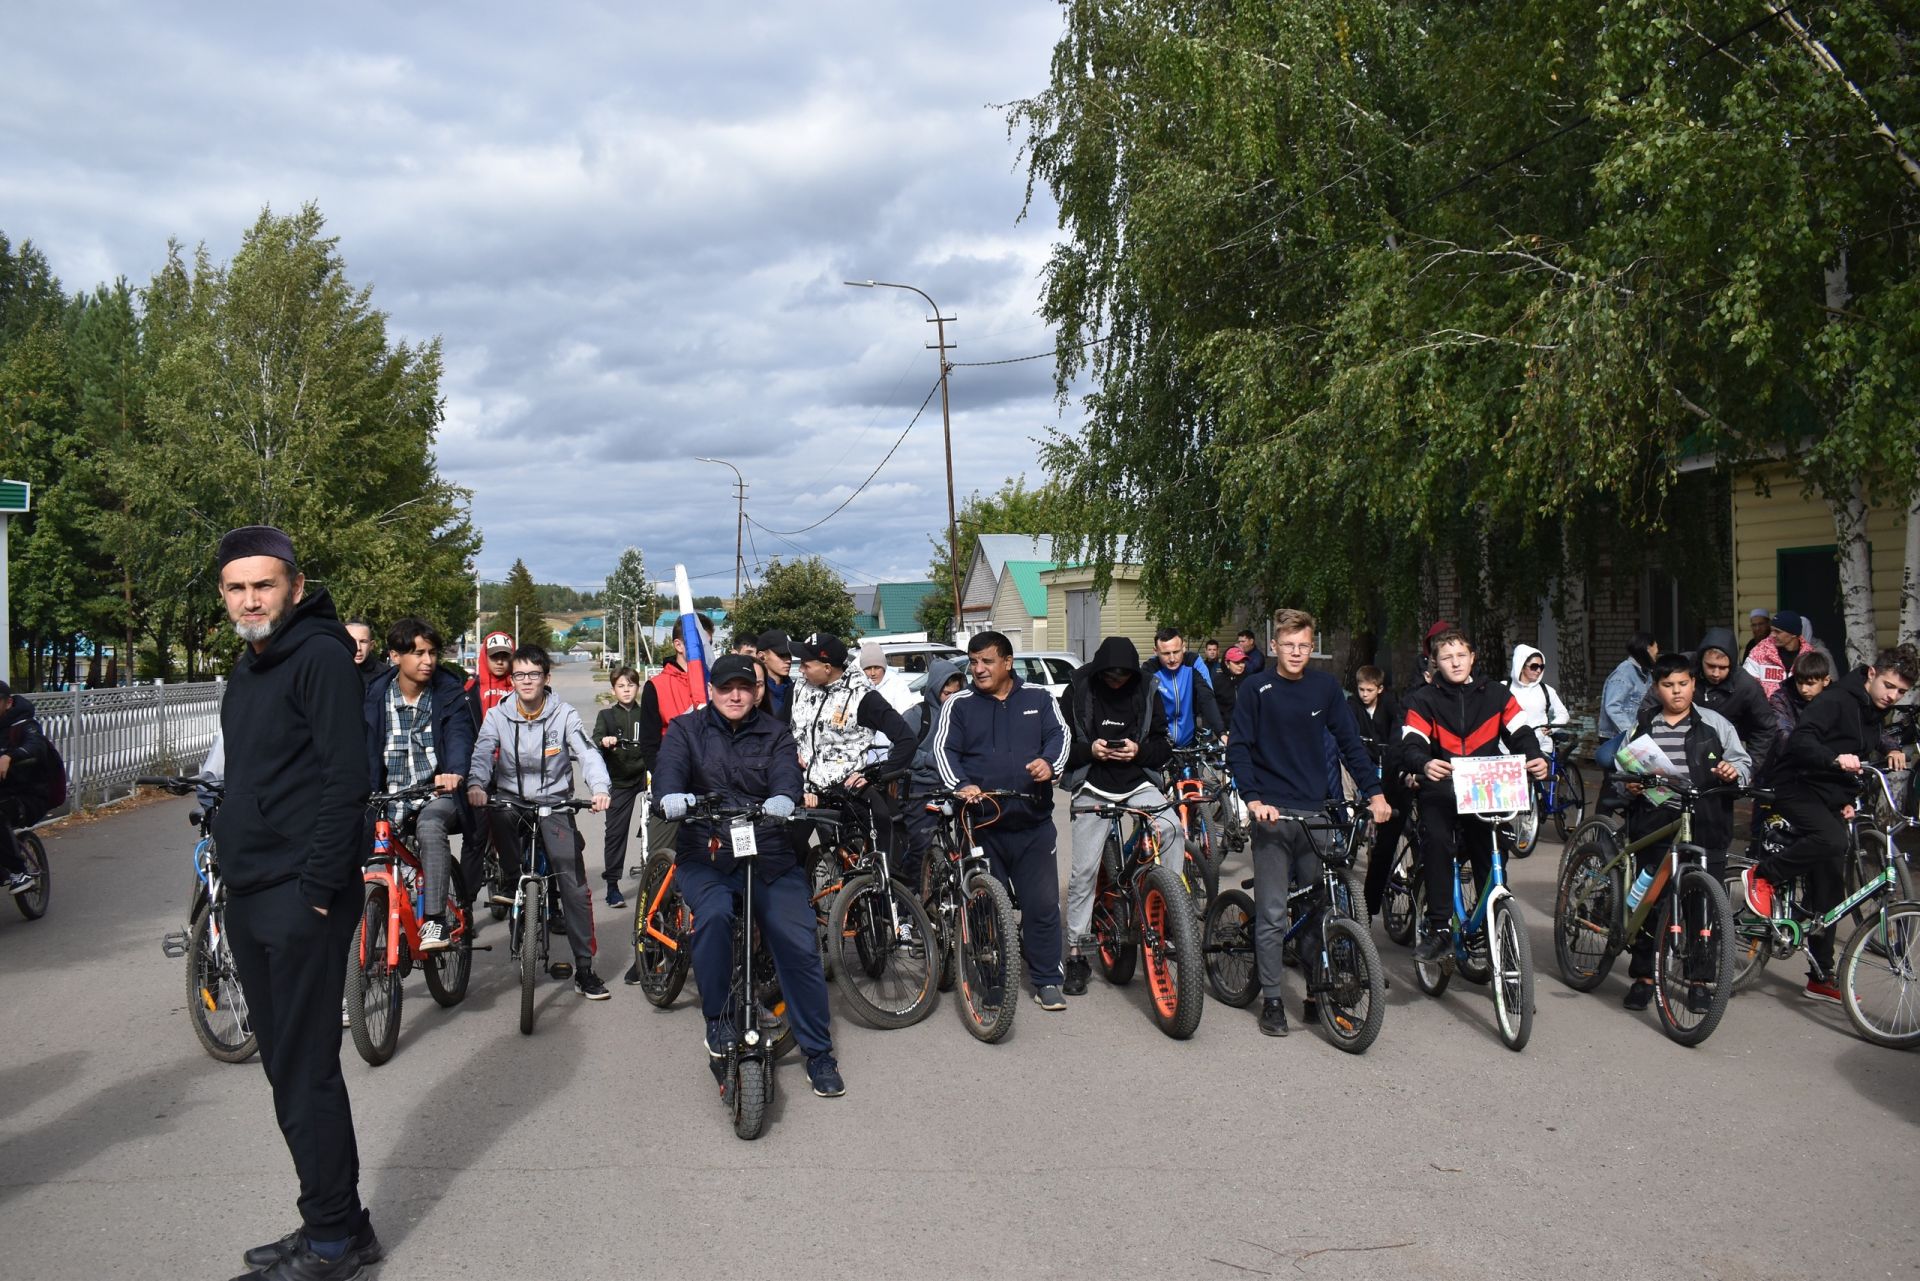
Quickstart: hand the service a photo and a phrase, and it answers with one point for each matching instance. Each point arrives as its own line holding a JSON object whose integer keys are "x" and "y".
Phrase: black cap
{"x": 729, "y": 668}
{"x": 256, "y": 540}
{"x": 1786, "y": 620}
{"x": 778, "y": 642}
{"x": 823, "y": 647}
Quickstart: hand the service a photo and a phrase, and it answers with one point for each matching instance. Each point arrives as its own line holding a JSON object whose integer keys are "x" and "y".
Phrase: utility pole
{"x": 941, "y": 322}
{"x": 739, "y": 521}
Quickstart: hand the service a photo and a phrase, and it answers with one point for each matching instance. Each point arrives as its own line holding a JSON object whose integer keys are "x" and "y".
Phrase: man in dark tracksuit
{"x": 1815, "y": 781}
{"x": 1001, "y": 734}
{"x": 290, "y": 851}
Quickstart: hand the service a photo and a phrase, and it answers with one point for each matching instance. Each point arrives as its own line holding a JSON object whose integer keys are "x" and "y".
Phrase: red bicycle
{"x": 386, "y": 942}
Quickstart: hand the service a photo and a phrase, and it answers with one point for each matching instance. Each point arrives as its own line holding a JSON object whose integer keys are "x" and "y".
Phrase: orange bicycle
{"x": 1142, "y": 910}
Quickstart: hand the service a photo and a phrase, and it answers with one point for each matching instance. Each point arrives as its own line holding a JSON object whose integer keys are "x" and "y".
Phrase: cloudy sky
{"x": 628, "y": 223}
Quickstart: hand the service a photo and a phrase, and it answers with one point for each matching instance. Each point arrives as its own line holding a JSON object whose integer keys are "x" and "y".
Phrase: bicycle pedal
{"x": 174, "y": 946}
{"x": 483, "y": 947}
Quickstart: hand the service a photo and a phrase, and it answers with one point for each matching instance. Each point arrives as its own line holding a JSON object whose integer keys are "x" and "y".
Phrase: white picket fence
{"x": 110, "y": 737}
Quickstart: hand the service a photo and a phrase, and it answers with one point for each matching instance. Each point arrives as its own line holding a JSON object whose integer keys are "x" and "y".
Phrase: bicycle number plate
{"x": 744, "y": 844}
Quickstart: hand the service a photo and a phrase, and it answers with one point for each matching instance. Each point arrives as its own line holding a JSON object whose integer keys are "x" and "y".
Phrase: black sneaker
{"x": 720, "y": 1038}
{"x": 1435, "y": 945}
{"x": 1273, "y": 1017}
{"x": 614, "y": 897}
{"x": 824, "y": 1073}
{"x": 588, "y": 984}
{"x": 1079, "y": 970}
{"x": 1699, "y": 998}
{"x": 1049, "y": 998}
{"x": 365, "y": 1247}
{"x": 304, "y": 1265}
{"x": 1639, "y": 996}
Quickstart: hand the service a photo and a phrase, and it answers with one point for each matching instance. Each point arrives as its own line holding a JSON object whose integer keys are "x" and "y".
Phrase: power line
{"x": 1038, "y": 355}
{"x": 870, "y": 475}
{"x": 855, "y": 575}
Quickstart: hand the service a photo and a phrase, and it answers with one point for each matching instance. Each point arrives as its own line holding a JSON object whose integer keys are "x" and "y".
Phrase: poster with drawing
{"x": 1490, "y": 784}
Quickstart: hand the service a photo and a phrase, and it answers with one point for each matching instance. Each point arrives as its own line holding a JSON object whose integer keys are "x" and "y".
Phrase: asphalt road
{"x": 1088, "y": 1145}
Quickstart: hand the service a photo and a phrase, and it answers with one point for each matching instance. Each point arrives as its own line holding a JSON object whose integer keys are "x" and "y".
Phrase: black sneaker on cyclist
{"x": 614, "y": 897}
{"x": 364, "y": 1247}
{"x": 1079, "y": 971}
{"x": 433, "y": 935}
{"x": 1699, "y": 998}
{"x": 824, "y": 1072}
{"x": 20, "y": 883}
{"x": 1273, "y": 1016}
{"x": 720, "y": 1038}
{"x": 1435, "y": 945}
{"x": 1639, "y": 996}
{"x": 588, "y": 984}
{"x": 1049, "y": 998}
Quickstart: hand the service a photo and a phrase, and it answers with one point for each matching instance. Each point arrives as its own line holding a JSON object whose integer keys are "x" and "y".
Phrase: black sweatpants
{"x": 619, "y": 821}
{"x": 1439, "y": 822}
{"x": 292, "y": 964}
{"x": 1025, "y": 859}
{"x": 1816, "y": 854}
{"x": 1385, "y": 837}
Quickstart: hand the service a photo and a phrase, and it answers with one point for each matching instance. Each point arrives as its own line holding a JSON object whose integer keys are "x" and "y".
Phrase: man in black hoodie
{"x": 26, "y": 783}
{"x": 1735, "y": 694}
{"x": 1815, "y": 780}
{"x": 290, "y": 850}
{"x": 1117, "y": 746}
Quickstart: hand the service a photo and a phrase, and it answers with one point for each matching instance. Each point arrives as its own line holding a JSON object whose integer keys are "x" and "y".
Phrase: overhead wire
{"x": 898, "y": 441}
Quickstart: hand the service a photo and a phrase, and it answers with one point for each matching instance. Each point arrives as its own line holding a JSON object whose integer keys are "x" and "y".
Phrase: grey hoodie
{"x": 536, "y": 756}
{"x": 926, "y": 771}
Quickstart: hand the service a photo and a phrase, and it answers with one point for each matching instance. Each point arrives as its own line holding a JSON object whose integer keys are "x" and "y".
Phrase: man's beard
{"x": 254, "y": 633}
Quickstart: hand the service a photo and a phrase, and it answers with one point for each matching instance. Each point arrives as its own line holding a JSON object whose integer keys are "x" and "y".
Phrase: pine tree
{"x": 520, "y": 601}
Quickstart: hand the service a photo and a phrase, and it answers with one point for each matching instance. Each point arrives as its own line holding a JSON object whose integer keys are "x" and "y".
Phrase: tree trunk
{"x": 1910, "y": 575}
{"x": 1856, "y": 572}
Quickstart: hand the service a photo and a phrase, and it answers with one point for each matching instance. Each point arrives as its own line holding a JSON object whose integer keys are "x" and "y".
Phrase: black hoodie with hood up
{"x": 1740, "y": 698}
{"x": 1095, "y": 710}
{"x": 296, "y": 759}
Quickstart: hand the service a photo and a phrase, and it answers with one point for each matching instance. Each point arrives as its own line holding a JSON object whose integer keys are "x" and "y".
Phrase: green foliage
{"x": 1012, "y": 509}
{"x": 798, "y": 597}
{"x": 520, "y": 609}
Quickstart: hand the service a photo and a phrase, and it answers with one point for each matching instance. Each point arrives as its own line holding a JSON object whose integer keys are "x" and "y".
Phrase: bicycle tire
{"x": 820, "y": 879}
{"x": 986, "y": 956}
{"x": 1430, "y": 976}
{"x": 1354, "y": 1005}
{"x": 751, "y": 1091}
{"x": 890, "y": 979}
{"x": 1396, "y": 905}
{"x": 372, "y": 982}
{"x": 1513, "y": 979}
{"x": 1201, "y": 879}
{"x": 938, "y": 904}
{"x": 661, "y": 969}
{"x": 214, "y": 992}
{"x": 1586, "y": 915}
{"x": 1570, "y": 801}
{"x": 1117, "y": 958}
{"x": 532, "y": 905}
{"x": 1880, "y": 984}
{"x": 448, "y": 970}
{"x": 33, "y": 903}
{"x": 1176, "y": 982}
{"x": 1752, "y": 936}
{"x": 1226, "y": 943}
{"x": 1705, "y": 960}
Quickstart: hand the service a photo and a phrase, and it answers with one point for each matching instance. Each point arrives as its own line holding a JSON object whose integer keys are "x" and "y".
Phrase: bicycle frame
{"x": 390, "y": 870}
{"x": 1467, "y": 925}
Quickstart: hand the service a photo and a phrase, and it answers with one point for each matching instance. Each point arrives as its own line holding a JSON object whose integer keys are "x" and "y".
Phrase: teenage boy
{"x": 616, "y": 732}
{"x": 1734, "y": 694}
{"x": 1377, "y": 714}
{"x": 1277, "y": 752}
{"x": 1459, "y": 714}
{"x": 1815, "y": 782}
{"x": 776, "y": 657}
{"x": 1707, "y": 748}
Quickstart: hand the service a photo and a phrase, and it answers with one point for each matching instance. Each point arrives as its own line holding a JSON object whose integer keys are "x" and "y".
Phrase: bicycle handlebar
{"x": 416, "y": 792}
{"x": 512, "y": 805}
{"x": 182, "y": 785}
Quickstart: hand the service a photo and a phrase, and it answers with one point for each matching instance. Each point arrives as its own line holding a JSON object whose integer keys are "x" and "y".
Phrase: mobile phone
{"x": 1116, "y": 744}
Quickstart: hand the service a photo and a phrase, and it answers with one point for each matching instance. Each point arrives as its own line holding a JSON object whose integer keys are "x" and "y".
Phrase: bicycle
{"x": 976, "y": 936}
{"x": 386, "y": 940}
{"x": 1489, "y": 939}
{"x": 216, "y": 1004}
{"x": 1879, "y": 971}
{"x": 1693, "y": 960}
{"x": 1344, "y": 978}
{"x": 879, "y": 947}
{"x": 536, "y": 897}
{"x": 33, "y": 856}
{"x": 1142, "y": 908}
{"x": 1562, "y": 794}
{"x": 1399, "y": 906}
{"x": 1191, "y": 792}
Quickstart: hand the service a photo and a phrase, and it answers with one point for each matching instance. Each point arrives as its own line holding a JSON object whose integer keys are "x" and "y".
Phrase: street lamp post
{"x": 739, "y": 520}
{"x": 946, "y": 427}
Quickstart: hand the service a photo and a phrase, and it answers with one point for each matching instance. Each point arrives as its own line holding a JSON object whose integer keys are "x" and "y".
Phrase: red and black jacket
{"x": 1475, "y": 718}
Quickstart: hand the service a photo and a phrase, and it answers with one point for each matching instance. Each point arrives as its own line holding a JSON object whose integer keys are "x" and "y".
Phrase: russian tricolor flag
{"x": 696, "y": 643}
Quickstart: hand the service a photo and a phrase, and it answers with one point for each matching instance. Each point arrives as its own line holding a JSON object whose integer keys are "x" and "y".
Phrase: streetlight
{"x": 739, "y": 520}
{"x": 946, "y": 427}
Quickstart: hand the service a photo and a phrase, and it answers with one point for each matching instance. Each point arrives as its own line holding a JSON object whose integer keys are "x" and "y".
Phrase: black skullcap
{"x": 256, "y": 540}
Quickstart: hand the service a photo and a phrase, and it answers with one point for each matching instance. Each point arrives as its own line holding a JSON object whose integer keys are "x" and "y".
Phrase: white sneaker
{"x": 433, "y": 936}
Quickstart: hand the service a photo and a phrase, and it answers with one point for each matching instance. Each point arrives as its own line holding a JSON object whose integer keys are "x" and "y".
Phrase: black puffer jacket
{"x": 746, "y": 762}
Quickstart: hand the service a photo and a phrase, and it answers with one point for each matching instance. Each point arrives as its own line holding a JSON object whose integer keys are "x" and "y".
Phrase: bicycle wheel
{"x": 532, "y": 906}
{"x": 824, "y": 879}
{"x": 1570, "y": 800}
{"x": 33, "y": 903}
{"x": 1396, "y": 907}
{"x": 1354, "y": 1004}
{"x": 1432, "y": 976}
{"x": 1693, "y": 964}
{"x": 660, "y": 964}
{"x": 1752, "y": 936}
{"x": 752, "y": 1090}
{"x": 1171, "y": 947}
{"x": 1202, "y": 879}
{"x": 215, "y": 1003}
{"x": 1513, "y": 981}
{"x": 986, "y": 959}
{"x": 1586, "y": 910}
{"x": 1226, "y": 943}
{"x": 1880, "y": 978}
{"x": 373, "y": 986}
{"x": 448, "y": 970}
{"x": 940, "y": 910}
{"x": 885, "y": 960}
{"x": 1110, "y": 915}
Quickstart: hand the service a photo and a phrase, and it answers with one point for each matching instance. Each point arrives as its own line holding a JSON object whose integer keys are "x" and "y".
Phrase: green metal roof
{"x": 895, "y": 604}
{"x": 865, "y": 624}
{"x": 1026, "y": 578}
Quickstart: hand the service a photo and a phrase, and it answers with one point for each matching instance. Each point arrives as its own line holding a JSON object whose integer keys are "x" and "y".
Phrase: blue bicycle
{"x": 1489, "y": 938}
{"x": 1562, "y": 794}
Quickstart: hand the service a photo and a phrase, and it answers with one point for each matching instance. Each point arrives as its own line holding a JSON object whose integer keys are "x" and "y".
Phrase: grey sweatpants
{"x": 565, "y": 860}
{"x": 436, "y": 850}
{"x": 1285, "y": 856}
{"x": 1090, "y": 834}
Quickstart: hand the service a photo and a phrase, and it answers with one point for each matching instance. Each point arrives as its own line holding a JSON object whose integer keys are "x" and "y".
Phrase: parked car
{"x": 914, "y": 656}
{"x": 1050, "y": 671}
